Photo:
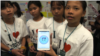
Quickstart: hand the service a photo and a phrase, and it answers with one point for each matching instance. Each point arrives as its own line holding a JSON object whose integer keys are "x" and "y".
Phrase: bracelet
{"x": 30, "y": 44}
{"x": 10, "y": 50}
{"x": 23, "y": 47}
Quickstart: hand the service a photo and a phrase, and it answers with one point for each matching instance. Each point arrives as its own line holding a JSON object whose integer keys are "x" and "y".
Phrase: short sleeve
{"x": 24, "y": 30}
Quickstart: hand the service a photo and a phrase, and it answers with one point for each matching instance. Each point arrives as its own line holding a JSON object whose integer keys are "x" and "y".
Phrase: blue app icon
{"x": 43, "y": 39}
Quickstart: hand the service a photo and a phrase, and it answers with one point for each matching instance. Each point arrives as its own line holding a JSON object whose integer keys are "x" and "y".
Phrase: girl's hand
{"x": 17, "y": 52}
{"x": 32, "y": 48}
{"x": 50, "y": 52}
{"x": 39, "y": 54}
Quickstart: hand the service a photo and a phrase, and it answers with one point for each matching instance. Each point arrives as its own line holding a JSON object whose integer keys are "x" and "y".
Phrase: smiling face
{"x": 7, "y": 11}
{"x": 74, "y": 11}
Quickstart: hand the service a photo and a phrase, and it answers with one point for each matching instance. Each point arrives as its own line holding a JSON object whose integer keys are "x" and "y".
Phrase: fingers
{"x": 32, "y": 49}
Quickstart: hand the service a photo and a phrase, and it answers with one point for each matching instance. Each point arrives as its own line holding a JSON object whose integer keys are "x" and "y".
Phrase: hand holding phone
{"x": 43, "y": 39}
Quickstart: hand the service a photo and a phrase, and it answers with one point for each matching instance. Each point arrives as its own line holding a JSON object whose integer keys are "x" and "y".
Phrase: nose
{"x": 8, "y": 9}
{"x": 33, "y": 11}
{"x": 70, "y": 11}
{"x": 56, "y": 11}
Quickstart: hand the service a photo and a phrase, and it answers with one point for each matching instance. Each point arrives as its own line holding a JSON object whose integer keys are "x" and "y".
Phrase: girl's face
{"x": 34, "y": 10}
{"x": 74, "y": 11}
{"x": 7, "y": 11}
{"x": 57, "y": 10}
{"x": 15, "y": 8}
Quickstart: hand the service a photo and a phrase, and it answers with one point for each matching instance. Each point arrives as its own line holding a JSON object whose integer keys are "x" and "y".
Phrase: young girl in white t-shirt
{"x": 76, "y": 40}
{"x": 37, "y": 22}
{"x": 13, "y": 32}
{"x": 17, "y": 12}
{"x": 57, "y": 9}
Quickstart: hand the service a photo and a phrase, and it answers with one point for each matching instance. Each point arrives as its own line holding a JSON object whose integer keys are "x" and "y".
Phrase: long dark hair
{"x": 59, "y": 3}
{"x": 37, "y": 3}
{"x": 18, "y": 12}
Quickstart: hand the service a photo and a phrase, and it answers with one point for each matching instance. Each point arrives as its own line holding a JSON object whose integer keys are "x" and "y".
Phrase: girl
{"x": 33, "y": 25}
{"x": 76, "y": 40}
{"x": 13, "y": 32}
{"x": 57, "y": 9}
{"x": 18, "y": 13}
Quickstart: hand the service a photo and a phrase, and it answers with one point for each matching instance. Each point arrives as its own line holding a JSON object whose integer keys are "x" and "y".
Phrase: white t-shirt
{"x": 79, "y": 43}
{"x": 22, "y": 17}
{"x": 33, "y": 27}
{"x": 49, "y": 24}
{"x": 21, "y": 32}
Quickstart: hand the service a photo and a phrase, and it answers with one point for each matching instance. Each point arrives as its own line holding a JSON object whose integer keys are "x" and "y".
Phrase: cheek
{"x": 78, "y": 14}
{"x": 61, "y": 11}
{"x": 66, "y": 13}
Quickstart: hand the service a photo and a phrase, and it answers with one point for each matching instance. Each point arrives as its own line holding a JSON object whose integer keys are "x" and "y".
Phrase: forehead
{"x": 6, "y": 4}
{"x": 73, "y": 3}
{"x": 32, "y": 5}
{"x": 56, "y": 4}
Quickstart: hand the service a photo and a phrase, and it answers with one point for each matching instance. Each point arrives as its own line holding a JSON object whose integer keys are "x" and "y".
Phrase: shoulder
{"x": 61, "y": 28}
{"x": 45, "y": 18}
{"x": 66, "y": 21}
{"x": 29, "y": 21}
{"x": 86, "y": 34}
{"x": 49, "y": 21}
{"x": 22, "y": 16}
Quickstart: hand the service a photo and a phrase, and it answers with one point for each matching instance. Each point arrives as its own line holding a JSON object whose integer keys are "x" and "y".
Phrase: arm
{"x": 14, "y": 51}
{"x": 87, "y": 48}
{"x": 23, "y": 41}
{"x": 4, "y": 47}
{"x": 28, "y": 40}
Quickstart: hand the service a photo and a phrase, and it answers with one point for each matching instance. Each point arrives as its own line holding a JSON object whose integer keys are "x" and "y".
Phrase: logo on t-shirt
{"x": 36, "y": 30}
{"x": 15, "y": 34}
{"x": 67, "y": 47}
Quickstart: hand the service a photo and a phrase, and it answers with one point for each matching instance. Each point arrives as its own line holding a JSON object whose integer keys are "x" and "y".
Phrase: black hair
{"x": 59, "y": 3}
{"x": 84, "y": 5}
{"x": 37, "y": 3}
{"x": 5, "y": 4}
{"x": 18, "y": 12}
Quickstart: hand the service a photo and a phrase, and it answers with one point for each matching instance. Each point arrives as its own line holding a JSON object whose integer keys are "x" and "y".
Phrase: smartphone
{"x": 43, "y": 39}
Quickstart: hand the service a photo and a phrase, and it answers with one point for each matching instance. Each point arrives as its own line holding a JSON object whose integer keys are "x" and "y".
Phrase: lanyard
{"x": 68, "y": 35}
{"x": 53, "y": 27}
{"x": 9, "y": 33}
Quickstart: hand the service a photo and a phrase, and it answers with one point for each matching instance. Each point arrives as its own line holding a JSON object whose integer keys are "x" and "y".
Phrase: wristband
{"x": 10, "y": 50}
{"x": 23, "y": 47}
{"x": 30, "y": 44}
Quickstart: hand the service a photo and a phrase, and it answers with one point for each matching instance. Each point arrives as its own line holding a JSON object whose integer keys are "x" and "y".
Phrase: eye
{"x": 67, "y": 8}
{"x": 58, "y": 8}
{"x": 76, "y": 8}
{"x": 34, "y": 8}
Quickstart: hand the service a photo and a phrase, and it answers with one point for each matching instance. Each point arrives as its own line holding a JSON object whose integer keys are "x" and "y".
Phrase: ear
{"x": 84, "y": 12}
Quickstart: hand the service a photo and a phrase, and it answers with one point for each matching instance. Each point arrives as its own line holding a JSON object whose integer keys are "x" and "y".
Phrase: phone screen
{"x": 43, "y": 40}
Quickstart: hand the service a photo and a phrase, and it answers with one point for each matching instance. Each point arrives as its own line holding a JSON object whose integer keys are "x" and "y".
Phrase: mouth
{"x": 33, "y": 14}
{"x": 9, "y": 14}
{"x": 70, "y": 17}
